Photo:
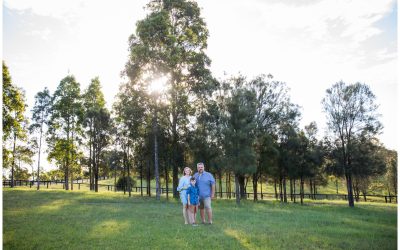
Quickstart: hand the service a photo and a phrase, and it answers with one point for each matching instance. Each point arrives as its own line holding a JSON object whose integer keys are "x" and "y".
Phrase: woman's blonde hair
{"x": 185, "y": 169}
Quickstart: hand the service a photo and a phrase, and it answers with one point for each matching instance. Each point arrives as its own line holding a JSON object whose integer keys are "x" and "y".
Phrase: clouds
{"x": 310, "y": 44}
{"x": 86, "y": 38}
{"x": 332, "y": 31}
{"x": 63, "y": 10}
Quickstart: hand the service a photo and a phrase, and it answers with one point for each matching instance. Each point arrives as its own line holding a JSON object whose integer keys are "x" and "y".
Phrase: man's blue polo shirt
{"x": 204, "y": 182}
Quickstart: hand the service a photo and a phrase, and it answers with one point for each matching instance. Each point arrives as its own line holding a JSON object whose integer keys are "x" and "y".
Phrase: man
{"x": 206, "y": 184}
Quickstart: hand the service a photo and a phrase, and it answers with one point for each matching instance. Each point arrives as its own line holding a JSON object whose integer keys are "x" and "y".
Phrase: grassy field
{"x": 51, "y": 219}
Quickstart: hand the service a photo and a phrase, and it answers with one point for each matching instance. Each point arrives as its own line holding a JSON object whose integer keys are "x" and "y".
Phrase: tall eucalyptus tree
{"x": 131, "y": 120}
{"x": 14, "y": 121}
{"x": 40, "y": 115}
{"x": 97, "y": 120}
{"x": 171, "y": 41}
{"x": 65, "y": 124}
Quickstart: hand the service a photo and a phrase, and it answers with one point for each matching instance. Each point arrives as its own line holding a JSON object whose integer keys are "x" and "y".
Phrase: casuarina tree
{"x": 239, "y": 133}
{"x": 351, "y": 111}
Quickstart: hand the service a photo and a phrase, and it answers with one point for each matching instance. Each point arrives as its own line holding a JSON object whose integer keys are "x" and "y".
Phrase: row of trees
{"x": 67, "y": 119}
{"x": 236, "y": 126}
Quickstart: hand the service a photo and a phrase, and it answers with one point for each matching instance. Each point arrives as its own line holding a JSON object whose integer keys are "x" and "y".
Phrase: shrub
{"x": 123, "y": 182}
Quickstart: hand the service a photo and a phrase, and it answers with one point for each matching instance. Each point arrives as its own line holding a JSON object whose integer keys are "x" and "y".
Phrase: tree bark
{"x": 166, "y": 181}
{"x": 67, "y": 158}
{"x": 156, "y": 172}
{"x": 220, "y": 184}
{"x": 90, "y": 161}
{"x": 174, "y": 148}
{"x": 96, "y": 173}
{"x": 301, "y": 190}
{"x": 124, "y": 172}
{"x": 227, "y": 185}
{"x": 294, "y": 190}
{"x": 315, "y": 190}
{"x": 261, "y": 187}
{"x": 284, "y": 190}
{"x": 72, "y": 157}
{"x": 255, "y": 181}
{"x": 40, "y": 147}
{"x": 13, "y": 162}
{"x": 115, "y": 178}
{"x": 237, "y": 189}
{"x": 337, "y": 187}
{"x": 141, "y": 179}
{"x": 129, "y": 174}
{"x": 349, "y": 190}
{"x": 241, "y": 180}
{"x": 148, "y": 179}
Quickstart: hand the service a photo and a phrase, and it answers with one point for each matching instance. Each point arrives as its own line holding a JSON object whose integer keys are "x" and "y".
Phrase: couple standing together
{"x": 195, "y": 191}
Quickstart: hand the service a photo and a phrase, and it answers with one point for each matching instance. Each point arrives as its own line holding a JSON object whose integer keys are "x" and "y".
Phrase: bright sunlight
{"x": 158, "y": 85}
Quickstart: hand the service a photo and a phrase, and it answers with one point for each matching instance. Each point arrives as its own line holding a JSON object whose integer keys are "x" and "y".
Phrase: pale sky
{"x": 309, "y": 44}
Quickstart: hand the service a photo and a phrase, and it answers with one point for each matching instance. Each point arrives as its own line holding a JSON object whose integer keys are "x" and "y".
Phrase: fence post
{"x": 385, "y": 199}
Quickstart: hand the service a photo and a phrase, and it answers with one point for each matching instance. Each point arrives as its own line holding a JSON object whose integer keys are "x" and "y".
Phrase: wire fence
{"x": 84, "y": 185}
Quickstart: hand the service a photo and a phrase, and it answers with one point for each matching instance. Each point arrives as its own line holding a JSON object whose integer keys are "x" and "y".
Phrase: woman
{"x": 184, "y": 183}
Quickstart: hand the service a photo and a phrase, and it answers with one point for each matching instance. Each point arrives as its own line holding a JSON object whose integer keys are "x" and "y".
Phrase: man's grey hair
{"x": 200, "y": 163}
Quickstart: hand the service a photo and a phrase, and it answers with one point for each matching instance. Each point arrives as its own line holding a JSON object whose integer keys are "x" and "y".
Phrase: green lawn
{"x": 52, "y": 219}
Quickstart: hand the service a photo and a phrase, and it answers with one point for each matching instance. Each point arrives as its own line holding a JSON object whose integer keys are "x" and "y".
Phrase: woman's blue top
{"x": 184, "y": 183}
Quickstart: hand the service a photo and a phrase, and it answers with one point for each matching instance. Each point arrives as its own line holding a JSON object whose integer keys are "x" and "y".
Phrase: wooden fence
{"x": 228, "y": 195}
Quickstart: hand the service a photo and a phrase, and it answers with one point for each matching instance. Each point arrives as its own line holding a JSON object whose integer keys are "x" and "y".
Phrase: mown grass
{"x": 52, "y": 219}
